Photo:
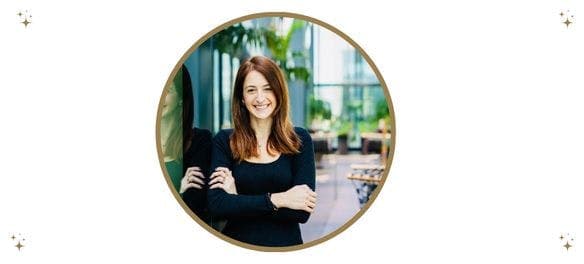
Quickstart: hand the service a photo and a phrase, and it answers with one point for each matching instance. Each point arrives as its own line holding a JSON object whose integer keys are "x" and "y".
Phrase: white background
{"x": 488, "y": 97}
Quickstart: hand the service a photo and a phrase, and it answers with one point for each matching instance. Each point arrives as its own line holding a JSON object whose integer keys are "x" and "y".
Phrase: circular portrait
{"x": 275, "y": 132}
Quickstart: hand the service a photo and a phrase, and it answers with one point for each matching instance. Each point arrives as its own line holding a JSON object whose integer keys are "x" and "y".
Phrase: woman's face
{"x": 258, "y": 96}
{"x": 171, "y": 102}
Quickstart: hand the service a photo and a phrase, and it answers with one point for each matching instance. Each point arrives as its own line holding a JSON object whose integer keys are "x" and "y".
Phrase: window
{"x": 346, "y": 86}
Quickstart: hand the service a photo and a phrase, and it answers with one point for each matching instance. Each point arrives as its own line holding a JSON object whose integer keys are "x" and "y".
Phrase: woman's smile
{"x": 262, "y": 106}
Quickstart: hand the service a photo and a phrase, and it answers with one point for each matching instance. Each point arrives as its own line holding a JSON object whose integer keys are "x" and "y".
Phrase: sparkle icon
{"x": 19, "y": 246}
{"x": 567, "y": 240}
{"x": 567, "y": 246}
{"x": 24, "y": 17}
{"x": 566, "y": 18}
{"x": 19, "y": 239}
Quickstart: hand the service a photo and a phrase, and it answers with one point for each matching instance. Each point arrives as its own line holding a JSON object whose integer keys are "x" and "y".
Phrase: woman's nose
{"x": 261, "y": 97}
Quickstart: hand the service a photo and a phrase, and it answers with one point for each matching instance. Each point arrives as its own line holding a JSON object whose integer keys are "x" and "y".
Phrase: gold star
{"x": 567, "y": 246}
{"x": 562, "y": 237}
{"x": 13, "y": 237}
{"x": 567, "y": 22}
{"x": 25, "y": 22}
{"x": 561, "y": 13}
{"x": 19, "y": 246}
{"x": 19, "y": 14}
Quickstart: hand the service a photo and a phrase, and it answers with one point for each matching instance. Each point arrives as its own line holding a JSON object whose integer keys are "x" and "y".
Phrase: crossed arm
{"x": 295, "y": 204}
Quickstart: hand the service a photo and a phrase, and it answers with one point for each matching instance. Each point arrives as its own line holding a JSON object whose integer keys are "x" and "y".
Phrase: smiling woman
{"x": 260, "y": 97}
{"x": 272, "y": 161}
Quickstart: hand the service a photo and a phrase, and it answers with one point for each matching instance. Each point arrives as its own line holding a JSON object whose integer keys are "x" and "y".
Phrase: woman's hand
{"x": 223, "y": 179}
{"x": 193, "y": 179}
{"x": 299, "y": 197}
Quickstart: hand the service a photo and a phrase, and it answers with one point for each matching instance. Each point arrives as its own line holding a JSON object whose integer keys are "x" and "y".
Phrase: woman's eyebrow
{"x": 253, "y": 86}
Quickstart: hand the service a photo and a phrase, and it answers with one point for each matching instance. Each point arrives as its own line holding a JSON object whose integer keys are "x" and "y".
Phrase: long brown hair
{"x": 283, "y": 139}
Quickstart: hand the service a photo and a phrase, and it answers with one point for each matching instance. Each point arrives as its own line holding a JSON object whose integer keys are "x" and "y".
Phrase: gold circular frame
{"x": 373, "y": 195}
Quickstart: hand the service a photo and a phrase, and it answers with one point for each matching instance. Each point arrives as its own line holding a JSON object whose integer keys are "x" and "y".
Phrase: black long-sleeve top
{"x": 199, "y": 155}
{"x": 250, "y": 215}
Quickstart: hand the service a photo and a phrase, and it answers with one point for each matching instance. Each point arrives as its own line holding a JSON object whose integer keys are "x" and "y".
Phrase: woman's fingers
{"x": 193, "y": 179}
{"x": 312, "y": 199}
{"x": 194, "y": 168}
{"x": 187, "y": 186}
{"x": 217, "y": 180}
{"x": 196, "y": 180}
{"x": 310, "y": 204}
{"x": 228, "y": 188}
{"x": 217, "y": 173}
{"x": 194, "y": 185}
{"x": 226, "y": 179}
{"x": 197, "y": 174}
{"x": 226, "y": 170}
{"x": 217, "y": 185}
{"x": 194, "y": 174}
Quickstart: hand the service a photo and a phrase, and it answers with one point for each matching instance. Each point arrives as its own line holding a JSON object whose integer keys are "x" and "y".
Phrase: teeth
{"x": 261, "y": 106}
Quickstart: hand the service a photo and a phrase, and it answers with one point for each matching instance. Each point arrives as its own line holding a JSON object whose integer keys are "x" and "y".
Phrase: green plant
{"x": 279, "y": 47}
{"x": 318, "y": 109}
{"x": 354, "y": 109}
{"x": 235, "y": 39}
{"x": 369, "y": 125}
{"x": 345, "y": 128}
{"x": 381, "y": 109}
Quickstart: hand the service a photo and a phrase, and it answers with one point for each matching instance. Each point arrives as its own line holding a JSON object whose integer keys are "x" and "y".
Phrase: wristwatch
{"x": 269, "y": 196}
